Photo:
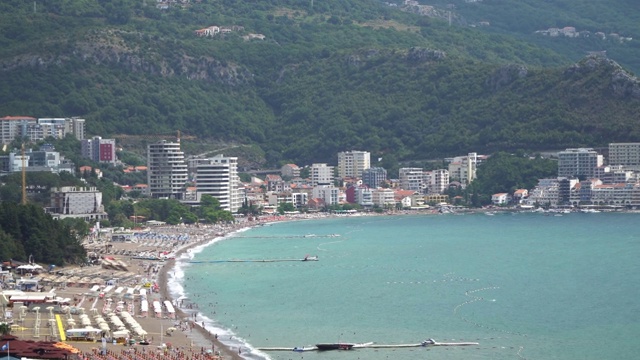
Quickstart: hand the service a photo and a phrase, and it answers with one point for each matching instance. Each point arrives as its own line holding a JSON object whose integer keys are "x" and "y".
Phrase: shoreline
{"x": 203, "y": 337}
{"x": 195, "y": 334}
{"x": 163, "y": 280}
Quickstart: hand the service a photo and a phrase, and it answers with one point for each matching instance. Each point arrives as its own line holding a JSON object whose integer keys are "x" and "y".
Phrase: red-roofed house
{"x": 88, "y": 170}
{"x": 520, "y": 194}
{"x": 406, "y": 198}
{"x": 500, "y": 198}
{"x": 316, "y": 204}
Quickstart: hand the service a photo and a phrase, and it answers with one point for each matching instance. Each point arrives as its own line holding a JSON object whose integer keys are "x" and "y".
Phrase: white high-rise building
{"x": 353, "y": 163}
{"x": 579, "y": 162}
{"x": 166, "y": 170}
{"x": 321, "y": 174}
{"x": 218, "y": 177}
{"x": 330, "y": 194}
{"x": 437, "y": 181}
{"x": 463, "y": 168}
{"x": 412, "y": 179}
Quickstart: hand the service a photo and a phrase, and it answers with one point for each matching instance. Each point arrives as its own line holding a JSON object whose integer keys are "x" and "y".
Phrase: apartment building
{"x": 166, "y": 170}
{"x": 57, "y": 128}
{"x": 99, "y": 150}
{"x": 218, "y": 177}
{"x": 436, "y": 181}
{"x": 580, "y": 162}
{"x": 290, "y": 171}
{"x": 329, "y": 194}
{"x": 412, "y": 179}
{"x": 353, "y": 163}
{"x": 14, "y": 126}
{"x": 463, "y": 168}
{"x": 626, "y": 154}
{"x": 321, "y": 175}
{"x": 374, "y": 176}
{"x": 383, "y": 197}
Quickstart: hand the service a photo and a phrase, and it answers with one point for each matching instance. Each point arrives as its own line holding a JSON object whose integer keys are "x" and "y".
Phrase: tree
{"x": 285, "y": 207}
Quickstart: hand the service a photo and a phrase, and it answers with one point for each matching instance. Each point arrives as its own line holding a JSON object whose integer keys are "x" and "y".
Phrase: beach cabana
{"x": 144, "y": 308}
{"x": 170, "y": 310}
{"x": 157, "y": 308}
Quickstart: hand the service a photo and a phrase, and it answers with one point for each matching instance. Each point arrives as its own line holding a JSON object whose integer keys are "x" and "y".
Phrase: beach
{"x": 126, "y": 274}
{"x": 118, "y": 284}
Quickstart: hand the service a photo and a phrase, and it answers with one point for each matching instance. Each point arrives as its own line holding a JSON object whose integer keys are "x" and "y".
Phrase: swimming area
{"x": 522, "y": 285}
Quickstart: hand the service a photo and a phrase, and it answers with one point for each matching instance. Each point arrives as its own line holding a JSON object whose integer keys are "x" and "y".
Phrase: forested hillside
{"x": 328, "y": 76}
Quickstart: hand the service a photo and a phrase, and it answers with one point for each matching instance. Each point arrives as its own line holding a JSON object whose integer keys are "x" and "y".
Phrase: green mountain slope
{"x": 522, "y": 18}
{"x": 335, "y": 76}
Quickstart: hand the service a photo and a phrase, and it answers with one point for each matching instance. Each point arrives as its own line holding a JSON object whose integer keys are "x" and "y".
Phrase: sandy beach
{"x": 118, "y": 285}
{"x": 126, "y": 275}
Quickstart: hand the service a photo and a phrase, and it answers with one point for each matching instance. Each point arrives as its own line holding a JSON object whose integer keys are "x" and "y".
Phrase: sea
{"x": 520, "y": 285}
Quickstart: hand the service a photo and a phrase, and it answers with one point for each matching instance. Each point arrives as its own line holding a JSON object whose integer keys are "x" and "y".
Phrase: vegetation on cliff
{"x": 331, "y": 76}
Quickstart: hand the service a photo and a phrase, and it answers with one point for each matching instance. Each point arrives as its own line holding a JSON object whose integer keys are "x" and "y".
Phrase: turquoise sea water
{"x": 521, "y": 285}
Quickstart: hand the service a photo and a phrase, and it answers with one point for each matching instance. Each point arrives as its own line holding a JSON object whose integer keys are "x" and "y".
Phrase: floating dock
{"x": 308, "y": 258}
{"x": 426, "y": 343}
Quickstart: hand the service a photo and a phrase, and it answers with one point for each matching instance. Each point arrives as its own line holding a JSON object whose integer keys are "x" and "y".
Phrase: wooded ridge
{"x": 334, "y": 76}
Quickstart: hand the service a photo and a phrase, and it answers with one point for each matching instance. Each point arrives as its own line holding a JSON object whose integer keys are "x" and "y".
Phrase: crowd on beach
{"x": 96, "y": 288}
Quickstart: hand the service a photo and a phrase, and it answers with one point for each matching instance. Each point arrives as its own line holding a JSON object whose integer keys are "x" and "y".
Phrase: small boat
{"x": 335, "y": 346}
{"x": 310, "y": 258}
{"x": 303, "y": 348}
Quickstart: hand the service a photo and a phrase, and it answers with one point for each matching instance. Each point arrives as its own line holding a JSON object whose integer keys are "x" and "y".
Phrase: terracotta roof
{"x": 36, "y": 349}
{"x": 18, "y": 118}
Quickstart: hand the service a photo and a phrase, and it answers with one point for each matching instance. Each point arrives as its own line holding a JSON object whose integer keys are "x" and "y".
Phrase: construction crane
{"x": 24, "y": 178}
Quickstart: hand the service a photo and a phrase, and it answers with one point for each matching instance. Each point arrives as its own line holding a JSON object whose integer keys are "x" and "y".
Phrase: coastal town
{"x": 118, "y": 304}
{"x": 586, "y": 178}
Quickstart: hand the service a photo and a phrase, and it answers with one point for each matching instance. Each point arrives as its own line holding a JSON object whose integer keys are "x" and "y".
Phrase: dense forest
{"x": 51, "y": 242}
{"x": 329, "y": 76}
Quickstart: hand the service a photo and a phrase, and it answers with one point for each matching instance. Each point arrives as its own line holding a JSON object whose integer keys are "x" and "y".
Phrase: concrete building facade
{"x": 353, "y": 163}
{"x": 321, "y": 175}
{"x": 218, "y": 177}
{"x": 581, "y": 162}
{"x": 99, "y": 150}
{"x": 166, "y": 170}
{"x": 374, "y": 176}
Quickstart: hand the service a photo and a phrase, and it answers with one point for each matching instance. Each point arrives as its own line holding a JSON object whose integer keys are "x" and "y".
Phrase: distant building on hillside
{"x": 290, "y": 170}
{"x": 99, "y": 150}
{"x": 463, "y": 168}
{"x": 12, "y": 127}
{"x": 57, "y": 128}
